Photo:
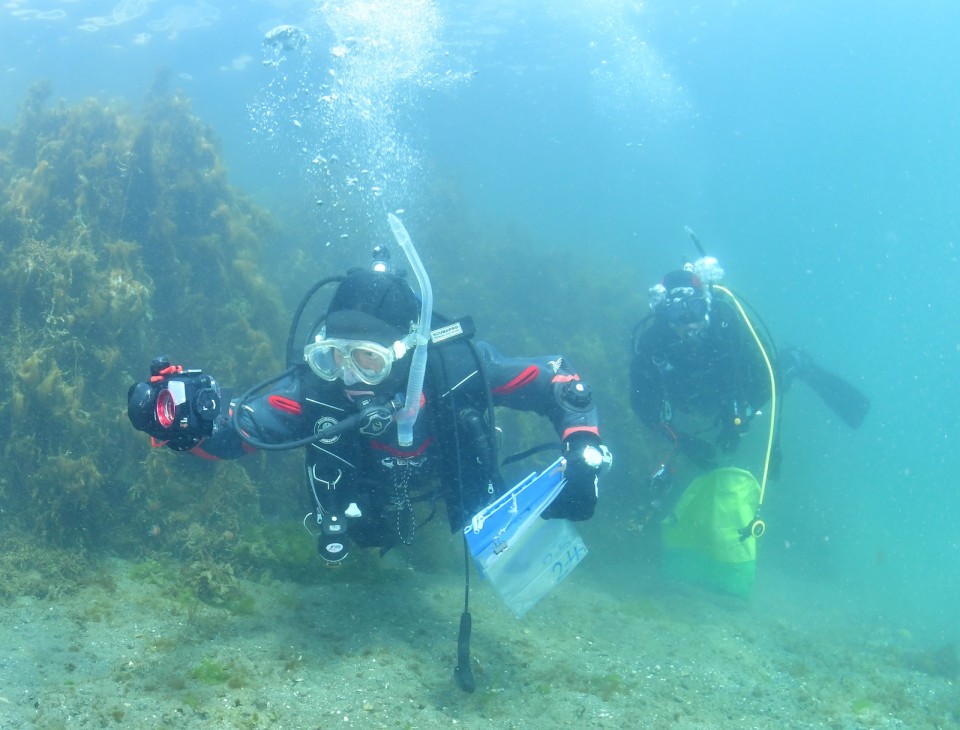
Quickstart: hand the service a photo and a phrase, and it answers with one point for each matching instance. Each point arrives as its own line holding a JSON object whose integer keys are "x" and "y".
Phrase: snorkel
{"x": 408, "y": 413}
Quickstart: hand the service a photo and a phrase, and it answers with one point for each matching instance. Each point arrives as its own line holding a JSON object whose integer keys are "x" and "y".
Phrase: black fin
{"x": 840, "y": 396}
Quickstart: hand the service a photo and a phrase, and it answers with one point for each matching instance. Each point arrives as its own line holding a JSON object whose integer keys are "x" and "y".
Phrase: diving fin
{"x": 839, "y": 395}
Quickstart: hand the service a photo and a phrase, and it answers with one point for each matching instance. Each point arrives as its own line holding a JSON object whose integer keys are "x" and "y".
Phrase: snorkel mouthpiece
{"x": 407, "y": 415}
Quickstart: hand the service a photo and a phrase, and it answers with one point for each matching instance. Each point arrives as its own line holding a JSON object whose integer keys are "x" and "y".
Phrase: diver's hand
{"x": 701, "y": 453}
{"x": 585, "y": 456}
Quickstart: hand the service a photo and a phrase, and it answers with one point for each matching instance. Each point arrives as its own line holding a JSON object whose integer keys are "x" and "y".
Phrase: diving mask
{"x": 685, "y": 305}
{"x": 353, "y": 360}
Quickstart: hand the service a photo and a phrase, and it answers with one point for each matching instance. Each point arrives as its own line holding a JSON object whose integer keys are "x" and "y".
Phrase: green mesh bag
{"x": 702, "y": 539}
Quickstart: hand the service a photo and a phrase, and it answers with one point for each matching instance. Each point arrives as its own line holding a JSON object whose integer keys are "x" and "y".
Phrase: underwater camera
{"x": 175, "y": 404}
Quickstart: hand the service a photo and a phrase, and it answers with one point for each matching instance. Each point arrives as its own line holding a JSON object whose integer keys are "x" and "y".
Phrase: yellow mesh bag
{"x": 702, "y": 538}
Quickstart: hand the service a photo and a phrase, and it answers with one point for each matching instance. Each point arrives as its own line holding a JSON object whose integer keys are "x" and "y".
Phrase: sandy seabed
{"x": 121, "y": 651}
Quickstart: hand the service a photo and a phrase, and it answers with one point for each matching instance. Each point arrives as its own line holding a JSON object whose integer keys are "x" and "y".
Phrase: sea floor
{"x": 377, "y": 651}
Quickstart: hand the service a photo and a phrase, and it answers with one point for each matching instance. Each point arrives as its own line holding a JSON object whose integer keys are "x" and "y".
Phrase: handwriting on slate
{"x": 566, "y": 560}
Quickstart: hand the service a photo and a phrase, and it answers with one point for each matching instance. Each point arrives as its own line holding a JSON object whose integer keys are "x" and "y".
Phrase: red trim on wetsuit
{"x": 285, "y": 404}
{"x": 565, "y": 378}
{"x": 380, "y": 446}
{"x": 529, "y": 374}
{"x": 589, "y": 429}
{"x": 201, "y": 454}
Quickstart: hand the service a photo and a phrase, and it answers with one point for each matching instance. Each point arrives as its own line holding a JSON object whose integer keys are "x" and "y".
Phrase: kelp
{"x": 120, "y": 238}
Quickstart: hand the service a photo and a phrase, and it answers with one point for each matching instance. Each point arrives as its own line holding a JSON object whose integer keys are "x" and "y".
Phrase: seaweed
{"x": 210, "y": 671}
{"x": 939, "y": 661}
{"x": 120, "y": 236}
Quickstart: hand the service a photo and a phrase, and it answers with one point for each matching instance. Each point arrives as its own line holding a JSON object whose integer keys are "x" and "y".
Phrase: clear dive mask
{"x": 353, "y": 360}
{"x": 684, "y": 306}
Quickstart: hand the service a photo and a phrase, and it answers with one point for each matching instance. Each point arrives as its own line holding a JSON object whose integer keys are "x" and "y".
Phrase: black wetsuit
{"x": 718, "y": 375}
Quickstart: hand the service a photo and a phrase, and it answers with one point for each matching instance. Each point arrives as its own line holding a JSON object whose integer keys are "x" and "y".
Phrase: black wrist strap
{"x": 183, "y": 444}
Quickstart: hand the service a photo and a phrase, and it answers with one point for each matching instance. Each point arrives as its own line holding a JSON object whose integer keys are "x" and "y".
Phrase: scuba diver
{"x": 395, "y": 414}
{"x": 698, "y": 356}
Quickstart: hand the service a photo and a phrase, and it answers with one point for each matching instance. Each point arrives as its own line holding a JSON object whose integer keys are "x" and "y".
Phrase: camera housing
{"x": 176, "y": 404}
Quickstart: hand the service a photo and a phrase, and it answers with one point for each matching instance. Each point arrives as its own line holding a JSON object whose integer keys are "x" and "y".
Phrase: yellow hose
{"x": 773, "y": 387}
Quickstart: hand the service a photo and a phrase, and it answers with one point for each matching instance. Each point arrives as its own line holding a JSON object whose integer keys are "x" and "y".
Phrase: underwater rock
{"x": 120, "y": 235}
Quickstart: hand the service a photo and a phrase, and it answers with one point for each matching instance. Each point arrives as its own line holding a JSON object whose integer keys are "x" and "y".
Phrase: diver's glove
{"x": 585, "y": 457}
{"x": 702, "y": 453}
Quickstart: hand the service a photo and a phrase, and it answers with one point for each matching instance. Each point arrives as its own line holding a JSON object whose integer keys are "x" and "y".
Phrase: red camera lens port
{"x": 166, "y": 408}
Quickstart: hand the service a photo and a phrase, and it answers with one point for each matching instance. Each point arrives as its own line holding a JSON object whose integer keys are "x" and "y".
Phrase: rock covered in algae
{"x": 121, "y": 238}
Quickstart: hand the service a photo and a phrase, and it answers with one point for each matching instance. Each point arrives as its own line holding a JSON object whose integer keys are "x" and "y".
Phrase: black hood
{"x": 372, "y": 305}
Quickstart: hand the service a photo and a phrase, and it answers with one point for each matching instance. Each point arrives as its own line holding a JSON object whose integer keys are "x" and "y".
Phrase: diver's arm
{"x": 544, "y": 385}
{"x": 550, "y": 387}
{"x": 647, "y": 393}
{"x": 272, "y": 417}
{"x": 647, "y": 399}
{"x": 646, "y": 390}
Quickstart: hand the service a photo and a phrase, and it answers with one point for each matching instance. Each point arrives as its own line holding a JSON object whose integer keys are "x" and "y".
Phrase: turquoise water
{"x": 812, "y": 146}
